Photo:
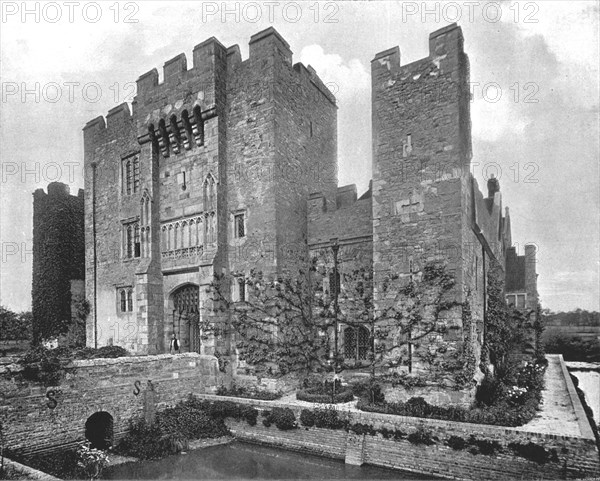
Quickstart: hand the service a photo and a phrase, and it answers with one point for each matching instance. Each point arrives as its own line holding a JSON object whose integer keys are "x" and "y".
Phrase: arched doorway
{"x": 99, "y": 430}
{"x": 186, "y": 317}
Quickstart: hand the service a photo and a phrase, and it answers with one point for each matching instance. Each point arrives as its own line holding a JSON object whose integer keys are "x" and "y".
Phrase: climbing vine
{"x": 58, "y": 258}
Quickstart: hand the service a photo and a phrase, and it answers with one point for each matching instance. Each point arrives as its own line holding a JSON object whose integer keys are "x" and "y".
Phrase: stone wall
{"x": 578, "y": 456}
{"x": 38, "y": 418}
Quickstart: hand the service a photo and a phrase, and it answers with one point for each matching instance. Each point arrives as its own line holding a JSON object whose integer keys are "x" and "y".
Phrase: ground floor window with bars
{"x": 357, "y": 343}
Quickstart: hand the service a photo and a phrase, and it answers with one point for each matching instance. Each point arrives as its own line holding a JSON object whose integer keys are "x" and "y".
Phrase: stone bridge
{"x": 97, "y": 398}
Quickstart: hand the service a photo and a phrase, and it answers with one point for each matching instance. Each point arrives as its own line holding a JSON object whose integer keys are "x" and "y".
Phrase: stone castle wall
{"x": 577, "y": 456}
{"x": 38, "y": 418}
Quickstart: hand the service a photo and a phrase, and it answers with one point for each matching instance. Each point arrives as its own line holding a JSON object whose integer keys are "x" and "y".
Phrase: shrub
{"x": 173, "y": 429}
{"x": 248, "y": 393}
{"x": 283, "y": 418}
{"x": 343, "y": 396}
{"x": 307, "y": 418}
{"x": 484, "y": 446}
{"x": 368, "y": 390}
{"x": 328, "y": 418}
{"x": 502, "y": 413}
{"x": 456, "y": 442}
{"x": 422, "y": 436}
{"x": 360, "y": 428}
{"x": 489, "y": 391}
{"x": 534, "y": 452}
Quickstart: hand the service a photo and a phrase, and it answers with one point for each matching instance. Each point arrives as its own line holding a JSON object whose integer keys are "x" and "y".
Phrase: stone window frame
{"x": 239, "y": 292}
{"x": 515, "y": 299}
{"x": 130, "y": 173}
{"x": 236, "y": 215}
{"x": 131, "y": 232}
{"x": 125, "y": 299}
{"x": 358, "y": 351}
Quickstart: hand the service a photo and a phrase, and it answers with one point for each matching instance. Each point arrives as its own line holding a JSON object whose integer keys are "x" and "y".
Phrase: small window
{"x": 123, "y": 295}
{"x": 520, "y": 301}
{"x": 239, "y": 226}
{"x": 238, "y": 289}
{"x": 131, "y": 175}
{"x": 510, "y": 300}
{"x": 125, "y": 299}
{"x": 130, "y": 300}
{"x": 241, "y": 289}
{"x": 132, "y": 247}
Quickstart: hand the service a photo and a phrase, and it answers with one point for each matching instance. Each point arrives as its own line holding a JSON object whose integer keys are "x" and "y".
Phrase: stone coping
{"x": 139, "y": 359}
{"x": 363, "y": 416}
{"x": 103, "y": 361}
{"x": 582, "y": 420}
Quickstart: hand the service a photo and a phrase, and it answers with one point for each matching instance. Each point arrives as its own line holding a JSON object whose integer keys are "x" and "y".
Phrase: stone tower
{"x": 58, "y": 260}
{"x": 209, "y": 174}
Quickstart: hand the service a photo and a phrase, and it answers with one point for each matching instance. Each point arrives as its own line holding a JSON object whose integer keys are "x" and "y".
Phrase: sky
{"x": 534, "y": 85}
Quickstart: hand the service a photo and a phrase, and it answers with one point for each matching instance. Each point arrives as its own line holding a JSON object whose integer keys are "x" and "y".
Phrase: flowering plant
{"x": 515, "y": 393}
{"x": 91, "y": 460}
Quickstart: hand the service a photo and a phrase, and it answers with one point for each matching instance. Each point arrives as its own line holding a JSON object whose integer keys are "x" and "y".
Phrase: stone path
{"x": 558, "y": 414}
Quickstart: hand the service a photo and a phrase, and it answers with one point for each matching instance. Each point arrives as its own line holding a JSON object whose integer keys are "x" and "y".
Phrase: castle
{"x": 231, "y": 165}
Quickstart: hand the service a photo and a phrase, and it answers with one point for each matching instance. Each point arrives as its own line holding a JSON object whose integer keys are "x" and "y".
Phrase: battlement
{"x": 58, "y": 189}
{"x": 173, "y": 112}
{"x": 445, "y": 45}
{"x": 113, "y": 121}
{"x": 175, "y": 70}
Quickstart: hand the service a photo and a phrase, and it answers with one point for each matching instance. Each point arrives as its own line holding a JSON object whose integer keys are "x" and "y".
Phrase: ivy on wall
{"x": 58, "y": 257}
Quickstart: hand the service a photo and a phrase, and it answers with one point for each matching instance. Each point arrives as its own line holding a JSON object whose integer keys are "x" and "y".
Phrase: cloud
{"x": 344, "y": 79}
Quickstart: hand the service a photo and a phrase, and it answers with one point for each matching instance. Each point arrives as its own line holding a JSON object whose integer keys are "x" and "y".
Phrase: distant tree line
{"x": 15, "y": 326}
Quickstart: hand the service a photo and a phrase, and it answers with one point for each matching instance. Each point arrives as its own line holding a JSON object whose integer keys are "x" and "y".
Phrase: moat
{"x": 240, "y": 460}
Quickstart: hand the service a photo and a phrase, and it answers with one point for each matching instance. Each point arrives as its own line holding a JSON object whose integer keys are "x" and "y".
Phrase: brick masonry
{"x": 38, "y": 418}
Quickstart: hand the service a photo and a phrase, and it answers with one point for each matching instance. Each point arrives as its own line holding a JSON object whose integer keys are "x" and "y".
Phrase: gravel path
{"x": 557, "y": 415}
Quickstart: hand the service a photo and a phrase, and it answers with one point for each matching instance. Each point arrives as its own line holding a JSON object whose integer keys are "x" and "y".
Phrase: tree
{"x": 278, "y": 325}
{"x": 287, "y": 323}
{"x": 15, "y": 326}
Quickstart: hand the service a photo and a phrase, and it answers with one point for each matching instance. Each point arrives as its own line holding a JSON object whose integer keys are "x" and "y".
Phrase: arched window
{"x": 185, "y": 235}
{"x": 211, "y": 227}
{"x": 123, "y": 301}
{"x": 130, "y": 300}
{"x": 129, "y": 244}
{"x": 209, "y": 193}
{"x": 357, "y": 343}
{"x": 136, "y": 240}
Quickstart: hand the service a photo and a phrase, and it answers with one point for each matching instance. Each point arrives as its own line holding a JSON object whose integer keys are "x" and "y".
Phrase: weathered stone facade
{"x": 231, "y": 165}
{"x": 223, "y": 146}
{"x": 58, "y": 260}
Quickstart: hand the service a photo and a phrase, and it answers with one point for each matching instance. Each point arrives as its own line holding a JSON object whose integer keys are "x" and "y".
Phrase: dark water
{"x": 248, "y": 461}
